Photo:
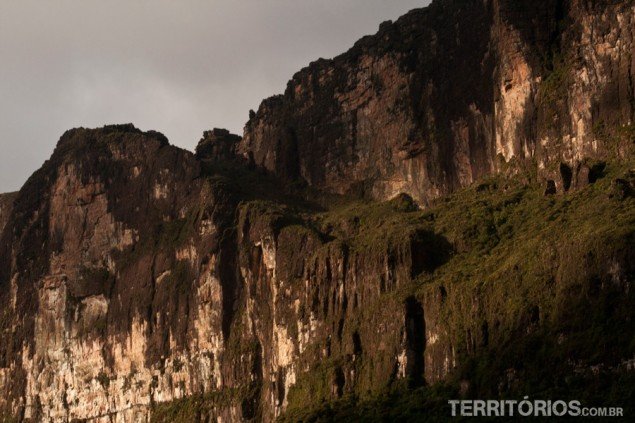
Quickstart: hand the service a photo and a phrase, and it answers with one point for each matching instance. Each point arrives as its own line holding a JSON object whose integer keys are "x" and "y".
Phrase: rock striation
{"x": 453, "y": 92}
{"x": 255, "y": 278}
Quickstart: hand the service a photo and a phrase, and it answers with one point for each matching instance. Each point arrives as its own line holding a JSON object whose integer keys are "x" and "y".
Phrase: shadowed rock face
{"x": 136, "y": 277}
{"x": 6, "y": 205}
{"x": 217, "y": 145}
{"x": 449, "y": 93}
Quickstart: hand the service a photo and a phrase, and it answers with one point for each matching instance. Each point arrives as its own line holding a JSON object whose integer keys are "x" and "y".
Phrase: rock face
{"x": 6, "y": 205}
{"x": 140, "y": 281}
{"x": 88, "y": 246}
{"x": 217, "y": 145}
{"x": 132, "y": 280}
{"x": 450, "y": 93}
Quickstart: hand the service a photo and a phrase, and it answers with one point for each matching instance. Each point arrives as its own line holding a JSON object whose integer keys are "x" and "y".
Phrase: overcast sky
{"x": 178, "y": 67}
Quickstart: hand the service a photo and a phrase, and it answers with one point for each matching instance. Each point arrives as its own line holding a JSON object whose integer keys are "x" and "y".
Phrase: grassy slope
{"x": 518, "y": 251}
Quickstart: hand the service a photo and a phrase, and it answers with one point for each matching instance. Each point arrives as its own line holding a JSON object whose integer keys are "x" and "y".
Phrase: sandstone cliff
{"x": 288, "y": 273}
{"x": 450, "y": 93}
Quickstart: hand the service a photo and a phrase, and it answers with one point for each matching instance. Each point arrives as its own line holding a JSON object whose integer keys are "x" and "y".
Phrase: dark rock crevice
{"x": 415, "y": 341}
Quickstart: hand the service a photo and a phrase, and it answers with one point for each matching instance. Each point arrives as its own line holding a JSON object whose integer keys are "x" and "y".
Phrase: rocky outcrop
{"x": 450, "y": 93}
{"x": 140, "y": 281}
{"x": 217, "y": 145}
{"x": 91, "y": 244}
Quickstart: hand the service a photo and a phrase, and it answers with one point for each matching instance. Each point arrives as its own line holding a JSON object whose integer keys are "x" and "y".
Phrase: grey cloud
{"x": 178, "y": 67}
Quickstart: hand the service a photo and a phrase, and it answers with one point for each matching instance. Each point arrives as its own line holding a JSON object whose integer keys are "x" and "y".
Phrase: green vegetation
{"x": 528, "y": 287}
{"x": 256, "y": 185}
{"x": 553, "y": 93}
{"x": 371, "y": 225}
{"x": 616, "y": 140}
{"x": 430, "y": 404}
{"x": 397, "y": 404}
{"x": 553, "y": 310}
{"x": 197, "y": 407}
{"x": 316, "y": 387}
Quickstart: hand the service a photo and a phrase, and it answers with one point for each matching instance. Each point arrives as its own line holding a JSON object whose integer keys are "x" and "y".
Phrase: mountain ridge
{"x": 444, "y": 211}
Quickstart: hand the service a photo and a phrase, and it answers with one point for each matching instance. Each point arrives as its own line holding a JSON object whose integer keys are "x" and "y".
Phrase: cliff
{"x": 453, "y": 92}
{"x": 444, "y": 211}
